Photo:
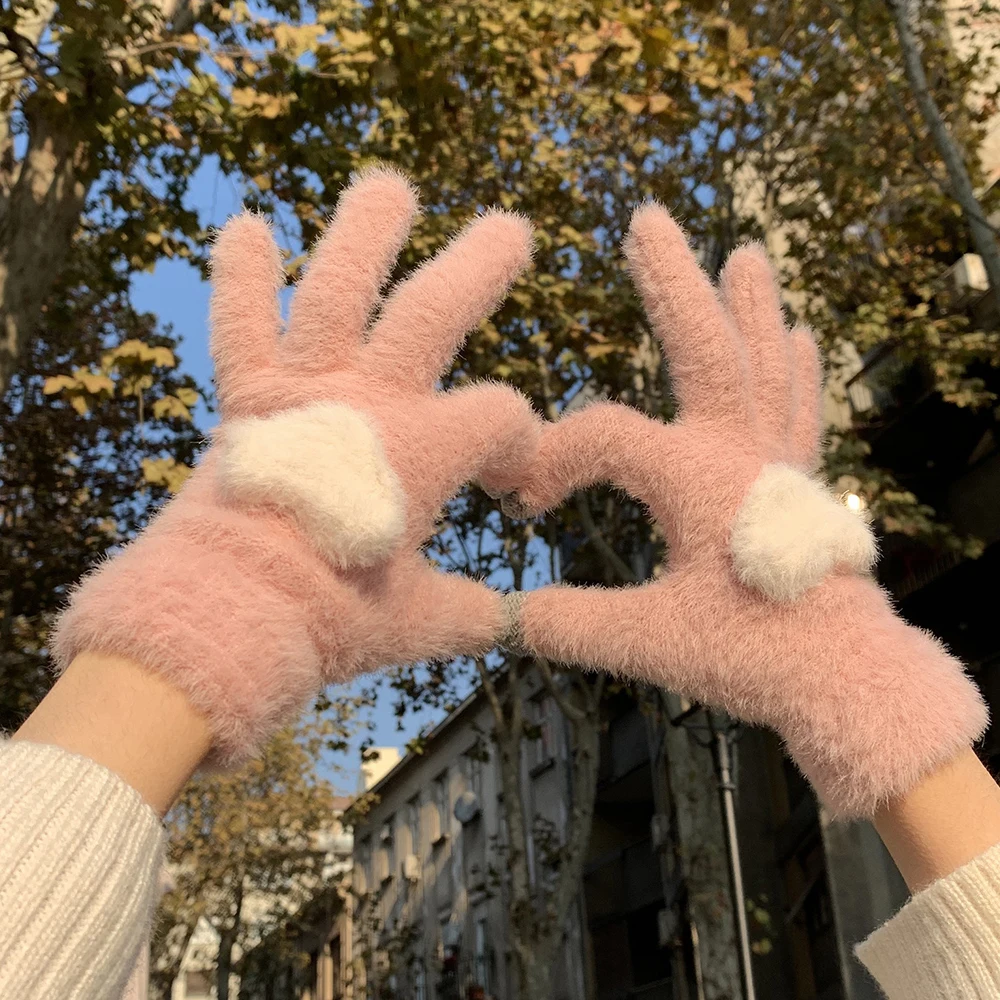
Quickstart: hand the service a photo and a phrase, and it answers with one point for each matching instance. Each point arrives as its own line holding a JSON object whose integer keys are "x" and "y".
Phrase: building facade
{"x": 429, "y": 917}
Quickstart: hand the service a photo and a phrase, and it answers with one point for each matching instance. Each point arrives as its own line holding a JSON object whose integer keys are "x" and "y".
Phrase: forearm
{"x": 80, "y": 851}
{"x": 128, "y": 720}
{"x": 945, "y": 838}
{"x": 85, "y": 780}
{"x": 950, "y": 818}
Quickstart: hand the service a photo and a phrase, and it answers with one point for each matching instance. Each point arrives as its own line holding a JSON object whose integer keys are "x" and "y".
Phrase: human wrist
{"x": 946, "y": 820}
{"x": 128, "y": 719}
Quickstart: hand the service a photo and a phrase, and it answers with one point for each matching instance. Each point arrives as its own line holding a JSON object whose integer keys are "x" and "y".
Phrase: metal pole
{"x": 726, "y": 789}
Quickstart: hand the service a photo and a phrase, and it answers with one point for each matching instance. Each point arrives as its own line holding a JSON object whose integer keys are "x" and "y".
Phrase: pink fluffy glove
{"x": 767, "y": 609}
{"x": 292, "y": 557}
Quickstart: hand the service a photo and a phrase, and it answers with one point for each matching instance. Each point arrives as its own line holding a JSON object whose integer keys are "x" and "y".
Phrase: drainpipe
{"x": 723, "y": 764}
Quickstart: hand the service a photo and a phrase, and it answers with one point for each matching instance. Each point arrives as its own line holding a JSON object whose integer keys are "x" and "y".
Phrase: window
{"x": 530, "y": 840}
{"x": 364, "y": 862}
{"x": 541, "y": 749}
{"x": 442, "y": 804}
{"x": 336, "y": 982}
{"x": 413, "y": 824}
{"x": 419, "y": 982}
{"x": 474, "y": 772}
{"x": 197, "y": 984}
{"x": 481, "y": 954}
{"x": 388, "y": 844}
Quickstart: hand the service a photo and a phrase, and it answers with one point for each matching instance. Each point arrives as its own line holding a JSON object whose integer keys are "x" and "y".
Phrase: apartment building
{"x": 429, "y": 918}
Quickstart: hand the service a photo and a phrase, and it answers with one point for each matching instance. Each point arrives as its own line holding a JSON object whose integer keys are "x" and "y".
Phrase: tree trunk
{"x": 538, "y": 914}
{"x": 534, "y": 971}
{"x": 38, "y": 217}
{"x": 21, "y": 40}
{"x": 704, "y": 858}
{"x": 983, "y": 237}
{"x": 227, "y": 941}
{"x": 42, "y": 196}
{"x": 162, "y": 976}
{"x": 224, "y": 964}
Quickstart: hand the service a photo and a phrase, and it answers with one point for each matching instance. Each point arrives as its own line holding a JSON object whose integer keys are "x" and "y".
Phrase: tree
{"x": 984, "y": 237}
{"x": 94, "y": 435}
{"x": 87, "y": 106}
{"x": 246, "y": 851}
{"x": 855, "y": 207}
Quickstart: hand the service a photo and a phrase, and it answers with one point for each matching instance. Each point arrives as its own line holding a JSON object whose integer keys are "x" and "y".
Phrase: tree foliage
{"x": 790, "y": 121}
{"x": 94, "y": 436}
{"x": 246, "y": 851}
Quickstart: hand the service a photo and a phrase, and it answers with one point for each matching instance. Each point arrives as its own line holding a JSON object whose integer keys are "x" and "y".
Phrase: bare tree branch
{"x": 491, "y": 692}
{"x": 567, "y": 708}
{"x": 984, "y": 235}
{"x": 600, "y": 543}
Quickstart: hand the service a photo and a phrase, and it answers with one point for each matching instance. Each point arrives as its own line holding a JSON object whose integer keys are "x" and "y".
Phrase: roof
{"x": 443, "y": 726}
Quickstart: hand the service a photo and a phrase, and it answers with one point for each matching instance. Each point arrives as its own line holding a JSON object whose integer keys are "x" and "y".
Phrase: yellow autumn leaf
{"x": 265, "y": 105}
{"x": 135, "y": 385}
{"x": 624, "y": 38}
{"x": 658, "y": 103}
{"x": 56, "y": 383}
{"x": 138, "y": 351}
{"x": 354, "y": 40}
{"x": 742, "y": 89}
{"x": 94, "y": 383}
{"x": 187, "y": 395}
{"x": 297, "y": 39}
{"x": 633, "y": 105}
{"x": 737, "y": 40}
{"x": 570, "y": 234}
{"x": 243, "y": 97}
{"x": 165, "y": 472}
{"x": 595, "y": 351}
{"x": 581, "y": 62}
{"x": 589, "y": 43}
{"x": 170, "y": 406}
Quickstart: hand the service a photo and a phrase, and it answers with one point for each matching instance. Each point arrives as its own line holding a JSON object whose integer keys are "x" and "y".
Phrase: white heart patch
{"x": 325, "y": 464}
{"x": 790, "y": 532}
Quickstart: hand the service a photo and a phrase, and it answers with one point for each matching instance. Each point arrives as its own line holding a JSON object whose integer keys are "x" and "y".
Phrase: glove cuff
{"x": 247, "y": 647}
{"x": 882, "y": 727}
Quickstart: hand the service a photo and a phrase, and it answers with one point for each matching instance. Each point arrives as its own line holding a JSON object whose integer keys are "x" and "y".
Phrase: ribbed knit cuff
{"x": 80, "y": 852}
{"x": 945, "y": 943}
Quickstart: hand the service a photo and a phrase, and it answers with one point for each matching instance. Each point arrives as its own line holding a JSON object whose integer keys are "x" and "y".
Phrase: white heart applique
{"x": 790, "y": 532}
{"x": 325, "y": 464}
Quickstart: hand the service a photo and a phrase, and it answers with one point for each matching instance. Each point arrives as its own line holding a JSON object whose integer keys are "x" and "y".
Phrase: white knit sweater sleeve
{"x": 80, "y": 852}
{"x": 945, "y": 943}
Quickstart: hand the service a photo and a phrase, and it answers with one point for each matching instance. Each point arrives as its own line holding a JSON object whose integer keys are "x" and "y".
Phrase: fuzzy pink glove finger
{"x": 292, "y": 557}
{"x": 767, "y": 609}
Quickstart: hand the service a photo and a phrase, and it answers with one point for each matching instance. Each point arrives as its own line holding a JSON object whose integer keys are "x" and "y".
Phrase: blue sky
{"x": 176, "y": 293}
